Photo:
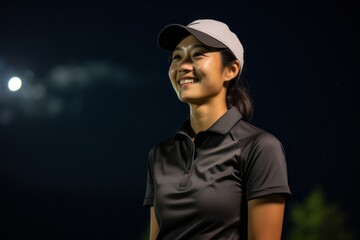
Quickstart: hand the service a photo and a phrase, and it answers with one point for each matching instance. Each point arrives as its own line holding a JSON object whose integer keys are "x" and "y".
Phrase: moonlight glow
{"x": 14, "y": 84}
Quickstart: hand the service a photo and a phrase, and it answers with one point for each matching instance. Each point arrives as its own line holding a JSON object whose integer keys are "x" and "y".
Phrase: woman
{"x": 218, "y": 177}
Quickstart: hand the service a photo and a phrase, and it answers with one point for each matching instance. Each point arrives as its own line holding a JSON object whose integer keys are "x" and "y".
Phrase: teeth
{"x": 190, "y": 80}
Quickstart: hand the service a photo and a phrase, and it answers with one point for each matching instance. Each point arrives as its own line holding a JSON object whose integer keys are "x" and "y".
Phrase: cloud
{"x": 49, "y": 95}
{"x": 89, "y": 73}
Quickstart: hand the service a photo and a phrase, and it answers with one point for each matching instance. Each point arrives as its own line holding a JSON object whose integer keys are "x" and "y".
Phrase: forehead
{"x": 188, "y": 42}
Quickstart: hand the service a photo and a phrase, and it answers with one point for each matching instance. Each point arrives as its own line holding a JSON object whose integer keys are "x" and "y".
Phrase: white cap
{"x": 208, "y": 31}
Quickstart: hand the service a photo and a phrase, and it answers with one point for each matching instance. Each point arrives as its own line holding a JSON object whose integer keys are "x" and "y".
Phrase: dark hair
{"x": 237, "y": 92}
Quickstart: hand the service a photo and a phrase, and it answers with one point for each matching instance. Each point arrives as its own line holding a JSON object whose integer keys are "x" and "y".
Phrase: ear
{"x": 232, "y": 70}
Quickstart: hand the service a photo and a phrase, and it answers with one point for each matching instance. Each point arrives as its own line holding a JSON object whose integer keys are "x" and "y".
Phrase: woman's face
{"x": 196, "y": 74}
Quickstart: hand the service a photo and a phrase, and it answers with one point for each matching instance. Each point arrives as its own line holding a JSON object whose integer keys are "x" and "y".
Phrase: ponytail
{"x": 237, "y": 96}
{"x": 237, "y": 92}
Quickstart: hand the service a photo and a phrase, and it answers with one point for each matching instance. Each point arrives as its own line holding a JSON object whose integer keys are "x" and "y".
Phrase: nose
{"x": 185, "y": 66}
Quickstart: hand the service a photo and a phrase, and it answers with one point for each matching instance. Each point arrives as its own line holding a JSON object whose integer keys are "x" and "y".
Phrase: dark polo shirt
{"x": 200, "y": 188}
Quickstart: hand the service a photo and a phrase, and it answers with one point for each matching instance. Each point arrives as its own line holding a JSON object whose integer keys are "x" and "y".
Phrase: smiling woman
{"x": 198, "y": 85}
{"x": 218, "y": 177}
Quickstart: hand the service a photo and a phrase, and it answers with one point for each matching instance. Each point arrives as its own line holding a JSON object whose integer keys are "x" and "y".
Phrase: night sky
{"x": 95, "y": 98}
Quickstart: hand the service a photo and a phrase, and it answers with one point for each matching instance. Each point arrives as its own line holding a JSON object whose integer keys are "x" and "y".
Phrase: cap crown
{"x": 221, "y": 32}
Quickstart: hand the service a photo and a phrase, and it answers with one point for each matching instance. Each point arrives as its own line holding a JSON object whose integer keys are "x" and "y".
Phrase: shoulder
{"x": 248, "y": 134}
{"x": 164, "y": 143}
{"x": 161, "y": 146}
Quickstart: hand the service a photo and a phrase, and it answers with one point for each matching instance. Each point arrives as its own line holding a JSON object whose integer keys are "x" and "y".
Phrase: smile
{"x": 188, "y": 80}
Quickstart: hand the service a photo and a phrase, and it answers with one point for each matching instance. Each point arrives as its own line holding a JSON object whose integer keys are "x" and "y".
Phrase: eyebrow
{"x": 195, "y": 46}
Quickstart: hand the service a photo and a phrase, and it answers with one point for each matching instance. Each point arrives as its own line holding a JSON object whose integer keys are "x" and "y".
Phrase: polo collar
{"x": 222, "y": 126}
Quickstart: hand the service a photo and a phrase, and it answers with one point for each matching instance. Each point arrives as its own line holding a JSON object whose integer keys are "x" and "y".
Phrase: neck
{"x": 203, "y": 117}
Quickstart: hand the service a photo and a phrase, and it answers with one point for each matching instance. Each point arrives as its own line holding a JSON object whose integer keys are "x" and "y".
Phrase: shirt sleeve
{"x": 266, "y": 170}
{"x": 149, "y": 193}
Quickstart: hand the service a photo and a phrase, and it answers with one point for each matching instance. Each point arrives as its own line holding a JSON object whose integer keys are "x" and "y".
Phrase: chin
{"x": 190, "y": 100}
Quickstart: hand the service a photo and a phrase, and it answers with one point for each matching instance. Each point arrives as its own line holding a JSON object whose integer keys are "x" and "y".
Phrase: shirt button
{"x": 187, "y": 170}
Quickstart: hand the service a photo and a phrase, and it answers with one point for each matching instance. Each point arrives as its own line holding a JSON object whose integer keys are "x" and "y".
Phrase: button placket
{"x": 184, "y": 182}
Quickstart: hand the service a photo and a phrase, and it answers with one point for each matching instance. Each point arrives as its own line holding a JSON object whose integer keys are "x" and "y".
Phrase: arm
{"x": 154, "y": 226}
{"x": 265, "y": 217}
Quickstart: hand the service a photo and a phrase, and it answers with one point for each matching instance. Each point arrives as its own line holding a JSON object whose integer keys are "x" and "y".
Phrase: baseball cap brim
{"x": 171, "y": 35}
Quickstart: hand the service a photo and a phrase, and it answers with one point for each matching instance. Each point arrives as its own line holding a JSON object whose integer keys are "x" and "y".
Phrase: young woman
{"x": 218, "y": 177}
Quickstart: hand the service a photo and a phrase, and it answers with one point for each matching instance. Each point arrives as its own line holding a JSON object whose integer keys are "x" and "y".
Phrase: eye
{"x": 176, "y": 57}
{"x": 198, "y": 54}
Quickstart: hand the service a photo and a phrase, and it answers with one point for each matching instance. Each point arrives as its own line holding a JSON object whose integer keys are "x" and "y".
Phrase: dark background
{"x": 96, "y": 97}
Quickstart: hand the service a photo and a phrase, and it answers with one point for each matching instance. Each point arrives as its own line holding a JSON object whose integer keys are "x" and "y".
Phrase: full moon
{"x": 14, "y": 84}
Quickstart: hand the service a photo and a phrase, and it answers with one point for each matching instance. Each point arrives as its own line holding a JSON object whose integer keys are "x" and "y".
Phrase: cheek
{"x": 172, "y": 70}
{"x": 172, "y": 76}
{"x": 210, "y": 71}
{"x": 211, "y": 63}
{"x": 171, "y": 73}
